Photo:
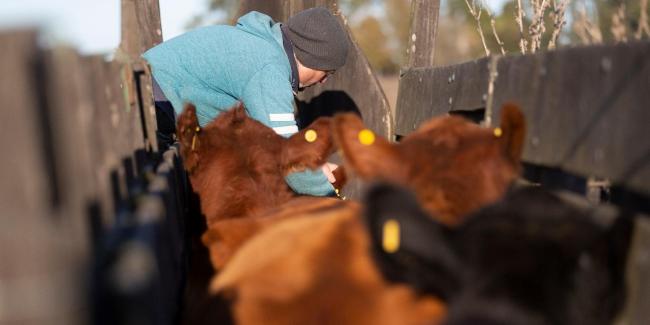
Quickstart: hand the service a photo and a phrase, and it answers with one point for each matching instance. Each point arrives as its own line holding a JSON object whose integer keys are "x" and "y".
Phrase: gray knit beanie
{"x": 319, "y": 40}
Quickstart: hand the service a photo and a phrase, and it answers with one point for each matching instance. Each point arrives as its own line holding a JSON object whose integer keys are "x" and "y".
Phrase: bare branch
{"x": 494, "y": 30}
{"x": 643, "y": 21}
{"x": 618, "y": 24}
{"x": 519, "y": 14}
{"x": 476, "y": 13}
{"x": 537, "y": 27}
{"x": 559, "y": 7}
{"x": 494, "y": 73}
{"x": 587, "y": 32}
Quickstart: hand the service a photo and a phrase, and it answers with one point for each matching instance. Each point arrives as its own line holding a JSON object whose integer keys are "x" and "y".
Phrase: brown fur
{"x": 226, "y": 236}
{"x": 238, "y": 165}
{"x": 453, "y": 165}
{"x": 316, "y": 268}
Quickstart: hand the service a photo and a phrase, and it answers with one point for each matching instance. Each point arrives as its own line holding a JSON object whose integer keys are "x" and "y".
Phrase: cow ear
{"x": 407, "y": 244}
{"x": 364, "y": 153}
{"x": 309, "y": 148}
{"x": 512, "y": 131}
{"x": 188, "y": 134}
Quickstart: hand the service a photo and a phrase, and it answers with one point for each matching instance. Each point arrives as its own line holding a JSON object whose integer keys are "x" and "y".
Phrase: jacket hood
{"x": 260, "y": 25}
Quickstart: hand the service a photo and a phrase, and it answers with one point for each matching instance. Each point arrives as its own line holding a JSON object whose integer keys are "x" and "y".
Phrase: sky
{"x": 93, "y": 26}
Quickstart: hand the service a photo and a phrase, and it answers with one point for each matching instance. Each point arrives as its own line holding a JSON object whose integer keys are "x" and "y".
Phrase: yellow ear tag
{"x": 366, "y": 137}
{"x": 391, "y": 236}
{"x": 311, "y": 136}
{"x": 194, "y": 137}
{"x": 498, "y": 132}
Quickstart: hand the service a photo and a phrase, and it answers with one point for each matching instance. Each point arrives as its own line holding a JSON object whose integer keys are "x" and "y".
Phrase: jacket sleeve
{"x": 268, "y": 98}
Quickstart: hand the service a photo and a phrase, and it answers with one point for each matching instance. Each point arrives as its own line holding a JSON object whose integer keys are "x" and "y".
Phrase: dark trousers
{"x": 166, "y": 121}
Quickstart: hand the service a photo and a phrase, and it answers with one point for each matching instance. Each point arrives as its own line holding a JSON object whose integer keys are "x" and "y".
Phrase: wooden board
{"x": 422, "y": 36}
{"x": 147, "y": 109}
{"x": 39, "y": 273}
{"x": 141, "y": 30}
{"x": 140, "y": 27}
{"x": 105, "y": 151}
{"x": 427, "y": 92}
{"x": 586, "y": 107}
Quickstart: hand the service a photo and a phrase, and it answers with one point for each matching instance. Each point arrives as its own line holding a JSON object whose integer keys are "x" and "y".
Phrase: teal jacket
{"x": 214, "y": 67}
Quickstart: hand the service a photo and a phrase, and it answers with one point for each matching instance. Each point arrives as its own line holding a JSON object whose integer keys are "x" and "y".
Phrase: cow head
{"x": 454, "y": 166}
{"x": 237, "y": 165}
{"x": 528, "y": 259}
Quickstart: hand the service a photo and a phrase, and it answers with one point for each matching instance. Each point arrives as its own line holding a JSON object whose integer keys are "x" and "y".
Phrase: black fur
{"x": 528, "y": 259}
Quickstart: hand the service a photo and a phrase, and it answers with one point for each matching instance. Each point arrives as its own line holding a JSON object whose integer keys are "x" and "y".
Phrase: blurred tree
{"x": 398, "y": 16}
{"x": 381, "y": 27}
{"x": 370, "y": 37}
{"x": 605, "y": 10}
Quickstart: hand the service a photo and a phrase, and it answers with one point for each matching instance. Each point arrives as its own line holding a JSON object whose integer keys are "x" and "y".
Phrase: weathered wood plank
{"x": 141, "y": 28}
{"x": 147, "y": 109}
{"x": 586, "y": 107}
{"x": 23, "y": 173}
{"x": 427, "y": 92}
{"x": 131, "y": 107}
{"x": 424, "y": 26}
{"x": 39, "y": 275}
{"x": 105, "y": 153}
{"x": 70, "y": 104}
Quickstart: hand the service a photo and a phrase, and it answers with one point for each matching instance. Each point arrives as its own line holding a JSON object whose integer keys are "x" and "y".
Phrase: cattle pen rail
{"x": 87, "y": 196}
{"x": 92, "y": 212}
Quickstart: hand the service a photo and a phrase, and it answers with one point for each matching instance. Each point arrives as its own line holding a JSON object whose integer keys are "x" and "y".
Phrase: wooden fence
{"x": 587, "y": 111}
{"x": 90, "y": 210}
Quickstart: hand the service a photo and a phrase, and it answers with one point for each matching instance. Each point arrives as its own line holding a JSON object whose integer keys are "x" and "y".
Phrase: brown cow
{"x": 453, "y": 165}
{"x": 237, "y": 165}
{"x": 317, "y": 269}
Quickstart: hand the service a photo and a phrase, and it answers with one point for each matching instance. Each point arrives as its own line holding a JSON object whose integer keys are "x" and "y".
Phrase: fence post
{"x": 41, "y": 241}
{"x": 141, "y": 30}
{"x": 422, "y": 39}
{"x": 421, "y": 48}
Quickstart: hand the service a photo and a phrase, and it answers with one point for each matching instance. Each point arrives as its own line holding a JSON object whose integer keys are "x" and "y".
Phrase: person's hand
{"x": 328, "y": 170}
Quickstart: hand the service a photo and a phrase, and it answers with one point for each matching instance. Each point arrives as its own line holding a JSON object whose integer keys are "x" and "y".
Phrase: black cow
{"x": 527, "y": 259}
